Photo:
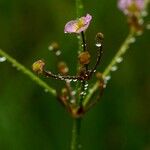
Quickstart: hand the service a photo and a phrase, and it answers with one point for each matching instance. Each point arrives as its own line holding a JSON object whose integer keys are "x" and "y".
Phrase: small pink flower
{"x": 130, "y": 7}
{"x": 79, "y": 25}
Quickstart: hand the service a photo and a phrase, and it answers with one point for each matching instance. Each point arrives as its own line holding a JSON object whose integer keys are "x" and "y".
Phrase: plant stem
{"x": 75, "y": 142}
{"x": 119, "y": 54}
{"x": 28, "y": 73}
{"x": 122, "y": 50}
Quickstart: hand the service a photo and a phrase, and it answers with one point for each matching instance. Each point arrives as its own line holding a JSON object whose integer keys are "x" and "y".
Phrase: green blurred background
{"x": 31, "y": 119}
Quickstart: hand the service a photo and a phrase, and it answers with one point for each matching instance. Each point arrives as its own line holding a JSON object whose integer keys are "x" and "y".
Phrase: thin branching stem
{"x": 122, "y": 50}
{"x": 28, "y": 73}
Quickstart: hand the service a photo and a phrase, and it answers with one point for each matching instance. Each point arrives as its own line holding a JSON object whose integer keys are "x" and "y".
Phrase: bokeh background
{"x": 31, "y": 119}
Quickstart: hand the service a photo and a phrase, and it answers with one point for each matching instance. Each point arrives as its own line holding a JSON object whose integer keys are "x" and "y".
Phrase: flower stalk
{"x": 27, "y": 72}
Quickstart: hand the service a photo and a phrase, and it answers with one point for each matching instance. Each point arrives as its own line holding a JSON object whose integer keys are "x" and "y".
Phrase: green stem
{"x": 28, "y": 73}
{"x": 75, "y": 142}
{"x": 122, "y": 50}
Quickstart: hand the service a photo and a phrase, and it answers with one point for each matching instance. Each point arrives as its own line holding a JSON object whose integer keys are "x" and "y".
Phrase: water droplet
{"x": 13, "y": 65}
{"x": 98, "y": 44}
{"x": 50, "y": 48}
{"x": 86, "y": 85}
{"x": 65, "y": 32}
{"x": 79, "y": 146}
{"x": 114, "y": 68}
{"x": 144, "y": 13}
{"x": 119, "y": 59}
{"x": 82, "y": 93}
{"x": 74, "y": 80}
{"x": 72, "y": 101}
{"x": 104, "y": 86}
{"x": 46, "y": 90}
{"x": 85, "y": 88}
{"x": 141, "y": 21}
{"x": 73, "y": 93}
{"x": 148, "y": 26}
{"x": 2, "y": 59}
{"x": 94, "y": 71}
{"x": 107, "y": 78}
{"x": 132, "y": 40}
{"x": 58, "y": 53}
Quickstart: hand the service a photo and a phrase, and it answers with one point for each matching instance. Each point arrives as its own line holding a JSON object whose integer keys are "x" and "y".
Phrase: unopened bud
{"x": 84, "y": 58}
{"x": 38, "y": 66}
{"x": 99, "y": 37}
{"x": 62, "y": 67}
{"x": 53, "y": 47}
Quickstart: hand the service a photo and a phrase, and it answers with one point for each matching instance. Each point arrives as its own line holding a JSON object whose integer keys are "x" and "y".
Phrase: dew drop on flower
{"x": 2, "y": 59}
{"x": 98, "y": 44}
{"x": 114, "y": 68}
{"x": 119, "y": 59}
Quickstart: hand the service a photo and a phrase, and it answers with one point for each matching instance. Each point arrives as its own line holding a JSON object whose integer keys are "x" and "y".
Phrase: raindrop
{"x": 46, "y": 90}
{"x": 141, "y": 21}
{"x": 114, "y": 68}
{"x": 50, "y": 48}
{"x": 72, "y": 101}
{"x": 82, "y": 93}
{"x": 98, "y": 44}
{"x": 74, "y": 80}
{"x": 86, "y": 85}
{"x": 73, "y": 92}
{"x": 132, "y": 40}
{"x": 107, "y": 78}
{"x": 85, "y": 88}
{"x": 79, "y": 146}
{"x": 2, "y": 59}
{"x": 58, "y": 53}
{"x": 144, "y": 13}
{"x": 119, "y": 59}
{"x": 104, "y": 86}
{"x": 148, "y": 26}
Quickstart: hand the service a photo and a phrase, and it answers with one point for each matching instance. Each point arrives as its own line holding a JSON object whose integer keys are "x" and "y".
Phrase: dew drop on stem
{"x": 98, "y": 44}
{"x": 2, "y": 59}
{"x": 114, "y": 68}
{"x": 119, "y": 59}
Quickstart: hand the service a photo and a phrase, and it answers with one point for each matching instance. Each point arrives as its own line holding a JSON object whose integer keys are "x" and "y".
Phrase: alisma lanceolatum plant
{"x": 79, "y": 93}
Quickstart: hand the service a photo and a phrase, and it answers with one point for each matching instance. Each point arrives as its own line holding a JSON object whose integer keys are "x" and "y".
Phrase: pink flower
{"x": 79, "y": 25}
{"x": 131, "y": 7}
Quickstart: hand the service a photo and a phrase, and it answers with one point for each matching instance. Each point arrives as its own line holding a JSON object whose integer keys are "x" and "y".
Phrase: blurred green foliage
{"x": 31, "y": 119}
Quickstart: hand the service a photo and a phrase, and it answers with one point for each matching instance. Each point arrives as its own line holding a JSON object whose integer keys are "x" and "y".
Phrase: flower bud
{"x": 84, "y": 58}
{"x": 62, "y": 67}
{"x": 38, "y": 66}
{"x": 54, "y": 46}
